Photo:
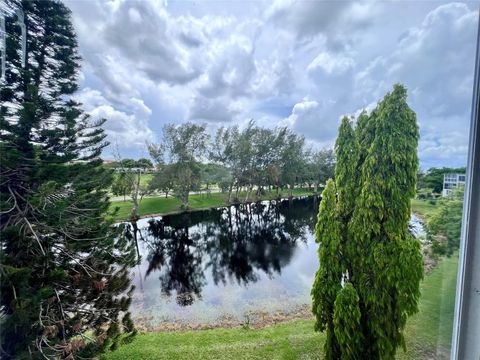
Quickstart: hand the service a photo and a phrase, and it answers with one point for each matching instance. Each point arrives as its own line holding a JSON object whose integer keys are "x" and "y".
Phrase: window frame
{"x": 465, "y": 344}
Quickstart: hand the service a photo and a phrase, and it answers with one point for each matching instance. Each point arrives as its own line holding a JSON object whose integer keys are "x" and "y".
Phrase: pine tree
{"x": 64, "y": 269}
{"x": 375, "y": 178}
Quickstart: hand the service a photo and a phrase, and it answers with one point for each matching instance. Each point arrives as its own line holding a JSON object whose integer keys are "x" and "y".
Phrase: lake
{"x": 226, "y": 266}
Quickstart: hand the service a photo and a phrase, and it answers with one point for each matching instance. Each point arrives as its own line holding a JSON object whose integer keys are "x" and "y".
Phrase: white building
{"x": 451, "y": 181}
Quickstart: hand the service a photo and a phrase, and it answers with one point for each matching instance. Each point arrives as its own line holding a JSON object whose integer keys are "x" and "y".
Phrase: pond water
{"x": 206, "y": 267}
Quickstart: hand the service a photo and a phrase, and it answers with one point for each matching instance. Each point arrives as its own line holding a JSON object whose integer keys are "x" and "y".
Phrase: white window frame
{"x": 466, "y": 331}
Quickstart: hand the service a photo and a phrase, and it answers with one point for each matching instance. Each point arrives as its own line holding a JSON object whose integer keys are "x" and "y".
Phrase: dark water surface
{"x": 207, "y": 266}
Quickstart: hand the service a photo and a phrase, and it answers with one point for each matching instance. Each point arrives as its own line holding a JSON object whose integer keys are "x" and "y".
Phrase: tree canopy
{"x": 64, "y": 268}
{"x": 444, "y": 226}
{"x": 183, "y": 147}
{"x": 370, "y": 265}
{"x": 252, "y": 158}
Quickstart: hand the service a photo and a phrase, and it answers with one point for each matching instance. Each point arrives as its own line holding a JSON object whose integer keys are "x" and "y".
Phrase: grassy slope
{"x": 429, "y": 332}
{"x": 285, "y": 341}
{"x": 423, "y": 207}
{"x": 426, "y": 332}
{"x": 144, "y": 178}
{"x": 161, "y": 205}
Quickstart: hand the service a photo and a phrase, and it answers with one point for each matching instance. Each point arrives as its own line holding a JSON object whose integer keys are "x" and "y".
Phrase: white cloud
{"x": 435, "y": 61}
{"x": 337, "y": 23}
{"x": 231, "y": 69}
{"x": 431, "y": 59}
{"x": 213, "y": 110}
{"x": 274, "y": 78}
{"x": 127, "y": 128}
{"x": 147, "y": 63}
{"x": 307, "y": 118}
{"x": 331, "y": 64}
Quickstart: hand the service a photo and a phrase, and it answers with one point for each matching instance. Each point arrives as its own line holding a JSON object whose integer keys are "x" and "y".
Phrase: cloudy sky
{"x": 303, "y": 64}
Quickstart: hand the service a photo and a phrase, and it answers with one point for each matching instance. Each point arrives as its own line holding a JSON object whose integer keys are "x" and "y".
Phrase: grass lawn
{"x": 144, "y": 178}
{"x": 428, "y": 333}
{"x": 423, "y": 207}
{"x": 162, "y": 205}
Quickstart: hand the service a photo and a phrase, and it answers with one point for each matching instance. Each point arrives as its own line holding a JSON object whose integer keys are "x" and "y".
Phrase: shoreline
{"x": 179, "y": 211}
{"x": 420, "y": 214}
{"x": 252, "y": 320}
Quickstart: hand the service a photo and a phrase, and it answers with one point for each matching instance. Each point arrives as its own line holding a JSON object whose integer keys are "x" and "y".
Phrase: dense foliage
{"x": 444, "y": 226}
{"x": 64, "y": 270}
{"x": 163, "y": 179}
{"x": 374, "y": 284}
{"x": 182, "y": 149}
{"x": 328, "y": 278}
{"x": 253, "y": 158}
{"x": 127, "y": 163}
{"x": 122, "y": 185}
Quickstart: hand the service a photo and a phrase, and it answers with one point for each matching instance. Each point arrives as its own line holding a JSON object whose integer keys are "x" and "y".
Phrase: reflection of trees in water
{"x": 235, "y": 242}
{"x": 175, "y": 253}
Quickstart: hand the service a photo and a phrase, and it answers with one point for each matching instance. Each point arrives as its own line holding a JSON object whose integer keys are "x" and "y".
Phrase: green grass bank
{"x": 428, "y": 333}
{"x": 162, "y": 205}
{"x": 423, "y": 208}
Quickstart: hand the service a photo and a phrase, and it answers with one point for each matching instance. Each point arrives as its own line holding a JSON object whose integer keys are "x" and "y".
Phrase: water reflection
{"x": 207, "y": 266}
{"x": 232, "y": 244}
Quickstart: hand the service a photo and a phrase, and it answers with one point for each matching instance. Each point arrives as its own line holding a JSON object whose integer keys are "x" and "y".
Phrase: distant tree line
{"x": 444, "y": 224}
{"x": 259, "y": 158}
{"x": 252, "y": 159}
{"x": 129, "y": 165}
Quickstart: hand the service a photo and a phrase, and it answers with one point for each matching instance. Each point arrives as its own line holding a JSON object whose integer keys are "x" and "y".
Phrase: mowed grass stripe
{"x": 162, "y": 205}
{"x": 428, "y": 333}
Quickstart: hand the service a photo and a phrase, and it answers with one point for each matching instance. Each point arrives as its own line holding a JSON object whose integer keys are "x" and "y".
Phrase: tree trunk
{"x": 290, "y": 189}
{"x": 134, "y": 212}
{"x": 135, "y": 236}
{"x": 249, "y": 188}
{"x": 315, "y": 189}
{"x": 230, "y": 188}
{"x": 185, "y": 200}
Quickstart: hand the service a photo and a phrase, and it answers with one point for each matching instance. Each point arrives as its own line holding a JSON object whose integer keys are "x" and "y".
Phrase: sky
{"x": 301, "y": 64}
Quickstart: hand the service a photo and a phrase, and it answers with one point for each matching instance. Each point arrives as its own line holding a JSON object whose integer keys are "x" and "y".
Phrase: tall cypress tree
{"x": 329, "y": 275}
{"x": 64, "y": 269}
{"x": 346, "y": 150}
{"x": 375, "y": 173}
